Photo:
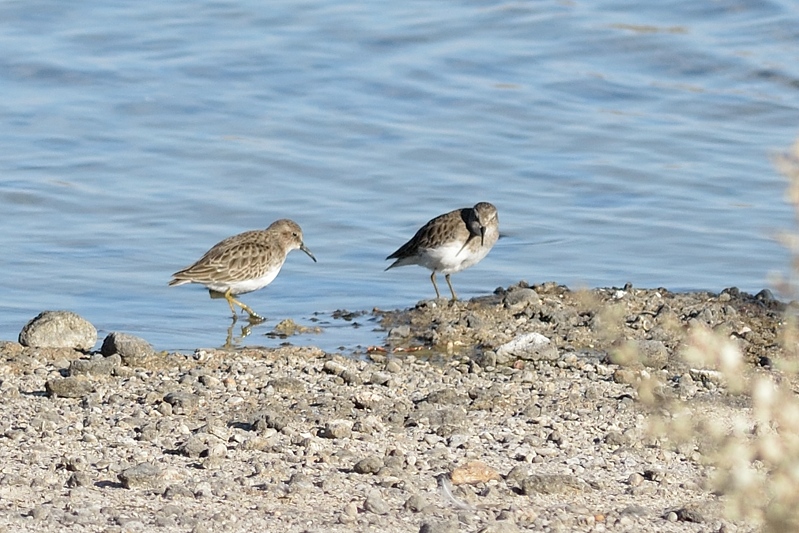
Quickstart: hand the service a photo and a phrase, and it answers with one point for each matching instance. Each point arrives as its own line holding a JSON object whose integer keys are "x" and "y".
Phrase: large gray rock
{"x": 59, "y": 329}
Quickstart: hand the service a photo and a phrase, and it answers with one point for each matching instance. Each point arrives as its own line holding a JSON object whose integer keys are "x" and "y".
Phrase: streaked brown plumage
{"x": 451, "y": 242}
{"x": 244, "y": 263}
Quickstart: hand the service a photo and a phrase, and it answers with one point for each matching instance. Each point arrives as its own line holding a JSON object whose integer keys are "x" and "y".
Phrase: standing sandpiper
{"x": 451, "y": 242}
{"x": 244, "y": 263}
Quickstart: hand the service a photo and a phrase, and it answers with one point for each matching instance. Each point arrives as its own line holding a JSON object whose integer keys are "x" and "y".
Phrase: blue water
{"x": 620, "y": 141}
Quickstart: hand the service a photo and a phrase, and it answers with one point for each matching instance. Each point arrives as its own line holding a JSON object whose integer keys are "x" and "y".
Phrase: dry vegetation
{"x": 752, "y": 448}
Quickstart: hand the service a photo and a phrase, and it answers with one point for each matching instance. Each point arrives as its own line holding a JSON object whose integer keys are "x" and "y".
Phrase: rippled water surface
{"x": 620, "y": 141}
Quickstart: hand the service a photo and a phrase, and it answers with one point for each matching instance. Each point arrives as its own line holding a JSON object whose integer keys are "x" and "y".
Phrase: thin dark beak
{"x": 482, "y": 235}
{"x": 307, "y": 251}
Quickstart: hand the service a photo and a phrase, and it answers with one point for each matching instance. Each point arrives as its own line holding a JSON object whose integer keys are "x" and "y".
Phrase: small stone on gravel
{"x": 337, "y": 429}
{"x": 144, "y": 475}
{"x": 131, "y": 349}
{"x": 182, "y": 402}
{"x": 69, "y": 387}
{"x": 530, "y": 346}
{"x": 369, "y": 465}
{"x": 375, "y": 503}
{"x": 472, "y": 473}
{"x": 415, "y": 503}
{"x": 97, "y": 365}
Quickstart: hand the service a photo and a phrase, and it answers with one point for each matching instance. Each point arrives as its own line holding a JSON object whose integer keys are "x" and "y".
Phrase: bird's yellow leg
{"x": 254, "y": 317}
{"x": 450, "y": 288}
{"x": 433, "y": 279}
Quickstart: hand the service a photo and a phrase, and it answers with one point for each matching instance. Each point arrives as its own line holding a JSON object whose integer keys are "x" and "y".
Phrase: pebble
{"x": 131, "y": 349}
{"x": 59, "y": 329}
{"x": 552, "y": 484}
{"x": 652, "y": 353}
{"x": 530, "y": 346}
{"x": 439, "y": 526}
{"x": 472, "y": 473}
{"x": 176, "y": 491}
{"x": 144, "y": 475}
{"x": 79, "y": 479}
{"x": 380, "y": 378}
{"x": 500, "y": 526}
{"x": 69, "y": 387}
{"x": 349, "y": 514}
{"x": 95, "y": 366}
{"x": 518, "y": 299}
{"x": 182, "y": 402}
{"x": 415, "y": 503}
{"x": 337, "y": 429}
{"x": 375, "y": 503}
{"x": 369, "y": 465}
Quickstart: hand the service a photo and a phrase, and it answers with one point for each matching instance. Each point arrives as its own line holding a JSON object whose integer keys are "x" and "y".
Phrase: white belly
{"x": 249, "y": 285}
{"x": 452, "y": 257}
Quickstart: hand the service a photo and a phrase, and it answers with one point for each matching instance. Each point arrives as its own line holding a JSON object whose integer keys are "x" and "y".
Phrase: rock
{"x": 177, "y": 491}
{"x": 439, "y": 527}
{"x": 415, "y": 503}
{"x": 500, "y": 526}
{"x": 287, "y": 385}
{"x": 59, "y": 329}
{"x": 369, "y": 465}
{"x": 473, "y": 472}
{"x": 653, "y": 353}
{"x": 380, "y": 378}
{"x": 530, "y": 346}
{"x": 71, "y": 387}
{"x": 399, "y": 332}
{"x": 394, "y": 366}
{"x": 375, "y": 503}
{"x": 367, "y": 399}
{"x": 182, "y": 402}
{"x": 518, "y": 299}
{"x": 132, "y": 349}
{"x": 517, "y": 475}
{"x": 141, "y": 476}
{"x": 765, "y": 295}
{"x": 708, "y": 377}
{"x": 195, "y": 446}
{"x": 264, "y": 420}
{"x": 635, "y": 479}
{"x": 486, "y": 359}
{"x": 299, "y": 483}
{"x": 616, "y": 438}
{"x": 79, "y": 479}
{"x": 96, "y": 366}
{"x": 446, "y": 396}
{"x": 334, "y": 367}
{"x": 552, "y": 484}
{"x": 350, "y": 513}
{"x": 337, "y": 429}
{"x": 689, "y": 514}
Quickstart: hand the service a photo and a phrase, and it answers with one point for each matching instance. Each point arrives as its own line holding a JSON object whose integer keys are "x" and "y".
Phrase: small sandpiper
{"x": 244, "y": 263}
{"x": 451, "y": 242}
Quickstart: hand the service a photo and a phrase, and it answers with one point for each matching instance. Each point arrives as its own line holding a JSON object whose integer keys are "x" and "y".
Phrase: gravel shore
{"x": 509, "y": 412}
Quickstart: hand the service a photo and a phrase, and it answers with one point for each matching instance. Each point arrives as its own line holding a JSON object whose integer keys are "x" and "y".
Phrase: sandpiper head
{"x": 480, "y": 218}
{"x": 291, "y": 234}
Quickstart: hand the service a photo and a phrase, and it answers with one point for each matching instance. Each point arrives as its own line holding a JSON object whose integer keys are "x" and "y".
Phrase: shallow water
{"x": 620, "y": 141}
